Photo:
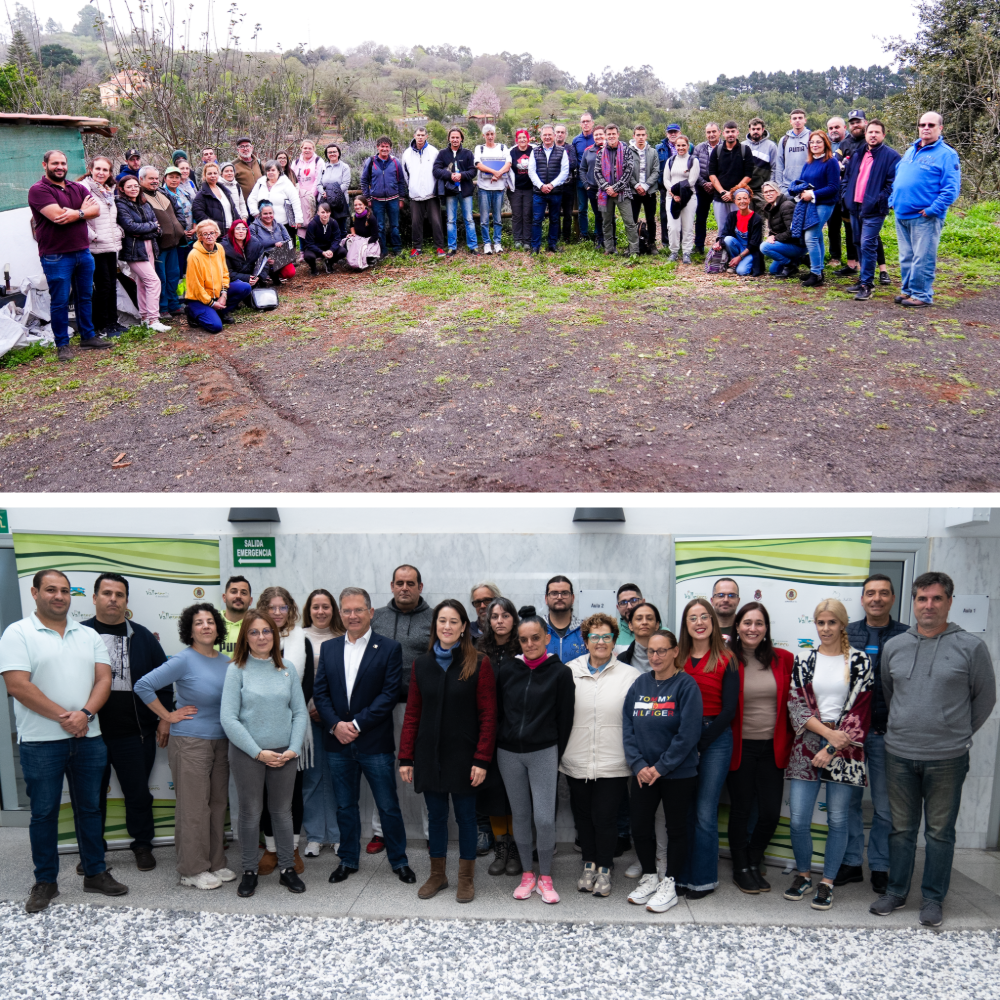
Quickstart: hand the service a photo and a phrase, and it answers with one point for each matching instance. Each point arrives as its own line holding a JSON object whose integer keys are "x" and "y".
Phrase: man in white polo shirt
{"x": 58, "y": 673}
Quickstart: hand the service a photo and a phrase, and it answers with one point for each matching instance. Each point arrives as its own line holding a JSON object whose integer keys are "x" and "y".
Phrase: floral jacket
{"x": 848, "y": 766}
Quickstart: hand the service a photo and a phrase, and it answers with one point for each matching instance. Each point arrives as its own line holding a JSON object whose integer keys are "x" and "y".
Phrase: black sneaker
{"x": 856, "y": 287}
{"x": 865, "y": 292}
{"x": 799, "y": 888}
{"x": 883, "y": 278}
{"x": 105, "y": 884}
{"x": 248, "y": 884}
{"x": 42, "y": 893}
{"x": 699, "y": 893}
{"x": 745, "y": 881}
{"x": 823, "y": 899}
{"x": 64, "y": 353}
{"x": 846, "y": 271}
{"x": 291, "y": 881}
{"x": 849, "y": 873}
{"x": 95, "y": 343}
{"x": 144, "y": 859}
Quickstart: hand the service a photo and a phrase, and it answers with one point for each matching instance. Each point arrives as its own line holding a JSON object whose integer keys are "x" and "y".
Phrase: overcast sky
{"x": 682, "y": 42}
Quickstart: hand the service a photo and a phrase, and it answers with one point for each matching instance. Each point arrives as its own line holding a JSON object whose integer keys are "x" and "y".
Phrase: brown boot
{"x": 300, "y": 865}
{"x": 437, "y": 881}
{"x": 268, "y": 862}
{"x": 466, "y": 890}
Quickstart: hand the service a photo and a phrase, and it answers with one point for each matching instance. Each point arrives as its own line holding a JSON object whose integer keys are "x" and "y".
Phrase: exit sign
{"x": 253, "y": 551}
{"x": 4, "y": 523}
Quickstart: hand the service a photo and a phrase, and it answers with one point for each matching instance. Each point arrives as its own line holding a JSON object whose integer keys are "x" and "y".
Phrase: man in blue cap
{"x": 664, "y": 150}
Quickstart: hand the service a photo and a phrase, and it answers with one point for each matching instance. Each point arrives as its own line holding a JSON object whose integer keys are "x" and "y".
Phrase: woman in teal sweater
{"x": 264, "y": 715}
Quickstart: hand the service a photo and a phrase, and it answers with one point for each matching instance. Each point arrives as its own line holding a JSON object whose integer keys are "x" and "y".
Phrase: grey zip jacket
{"x": 939, "y": 691}
{"x": 411, "y": 629}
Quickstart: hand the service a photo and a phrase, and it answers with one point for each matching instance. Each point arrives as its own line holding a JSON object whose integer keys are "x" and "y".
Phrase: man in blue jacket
{"x": 384, "y": 181}
{"x": 581, "y": 143}
{"x": 565, "y": 640}
{"x": 871, "y": 633}
{"x": 868, "y": 185}
{"x": 928, "y": 180}
{"x": 356, "y": 687}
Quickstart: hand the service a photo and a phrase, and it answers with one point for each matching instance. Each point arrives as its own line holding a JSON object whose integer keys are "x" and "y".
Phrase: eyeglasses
{"x": 283, "y": 608}
{"x": 258, "y": 633}
{"x": 731, "y": 597}
{"x": 660, "y": 652}
{"x": 699, "y": 618}
{"x": 560, "y": 593}
{"x": 928, "y": 125}
{"x": 629, "y": 602}
{"x": 603, "y": 638}
{"x": 482, "y": 602}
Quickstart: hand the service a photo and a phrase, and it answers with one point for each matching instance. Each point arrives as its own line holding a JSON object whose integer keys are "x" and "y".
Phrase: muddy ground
{"x": 560, "y": 373}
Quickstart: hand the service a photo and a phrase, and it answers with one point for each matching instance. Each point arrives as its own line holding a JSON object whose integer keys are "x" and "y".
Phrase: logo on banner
{"x": 791, "y": 594}
{"x": 757, "y": 595}
{"x": 128, "y": 613}
{"x": 150, "y": 592}
{"x": 199, "y": 592}
{"x": 77, "y": 592}
{"x": 805, "y": 644}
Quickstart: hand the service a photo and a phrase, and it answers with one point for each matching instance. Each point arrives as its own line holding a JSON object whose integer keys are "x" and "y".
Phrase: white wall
{"x": 18, "y": 247}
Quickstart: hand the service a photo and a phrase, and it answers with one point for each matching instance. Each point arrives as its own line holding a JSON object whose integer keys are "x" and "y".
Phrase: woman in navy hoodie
{"x": 822, "y": 171}
{"x": 661, "y": 726}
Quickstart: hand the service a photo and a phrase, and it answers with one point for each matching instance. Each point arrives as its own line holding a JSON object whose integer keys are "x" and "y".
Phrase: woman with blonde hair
{"x": 105, "y": 242}
{"x": 209, "y": 295}
{"x": 308, "y": 169}
{"x": 702, "y": 652}
{"x": 594, "y": 760}
{"x": 830, "y": 711}
{"x": 264, "y": 717}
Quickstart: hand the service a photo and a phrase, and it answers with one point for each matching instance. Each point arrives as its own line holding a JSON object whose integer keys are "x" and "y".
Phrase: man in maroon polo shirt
{"x": 59, "y": 210}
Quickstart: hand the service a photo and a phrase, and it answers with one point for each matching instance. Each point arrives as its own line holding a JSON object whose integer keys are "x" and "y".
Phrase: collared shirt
{"x": 864, "y": 172}
{"x": 54, "y": 238}
{"x": 62, "y": 667}
{"x": 560, "y": 178}
{"x": 353, "y": 654}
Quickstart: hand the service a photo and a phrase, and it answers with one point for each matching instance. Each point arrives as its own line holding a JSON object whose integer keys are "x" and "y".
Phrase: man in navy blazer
{"x": 357, "y": 684}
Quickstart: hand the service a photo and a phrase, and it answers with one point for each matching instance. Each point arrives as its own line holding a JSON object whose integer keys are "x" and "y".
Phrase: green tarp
{"x": 21, "y": 150}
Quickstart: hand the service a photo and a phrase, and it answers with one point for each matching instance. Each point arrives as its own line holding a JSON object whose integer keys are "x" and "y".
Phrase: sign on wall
{"x": 971, "y": 611}
{"x": 253, "y": 551}
{"x": 165, "y": 575}
{"x": 4, "y": 523}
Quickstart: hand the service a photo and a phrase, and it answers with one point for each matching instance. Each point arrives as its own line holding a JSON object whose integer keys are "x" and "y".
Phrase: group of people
{"x": 278, "y": 714}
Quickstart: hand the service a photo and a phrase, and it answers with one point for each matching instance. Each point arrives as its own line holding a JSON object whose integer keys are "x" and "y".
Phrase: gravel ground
{"x": 101, "y": 952}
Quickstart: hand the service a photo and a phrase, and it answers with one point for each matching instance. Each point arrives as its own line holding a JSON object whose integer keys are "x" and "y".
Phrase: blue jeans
{"x": 211, "y": 318}
{"x": 319, "y": 804}
{"x": 813, "y": 238}
{"x": 918, "y": 244}
{"x": 583, "y": 198}
{"x": 701, "y": 870}
{"x": 802, "y": 799}
{"x": 70, "y": 274}
{"x": 934, "y": 788}
{"x": 437, "y": 824}
{"x": 781, "y": 254}
{"x": 346, "y": 768}
{"x": 451, "y": 204}
{"x": 539, "y": 204}
{"x": 490, "y": 203}
{"x": 44, "y": 763}
{"x": 168, "y": 270}
{"x": 866, "y": 232}
{"x": 736, "y": 245}
{"x": 878, "y": 837}
{"x": 387, "y": 215}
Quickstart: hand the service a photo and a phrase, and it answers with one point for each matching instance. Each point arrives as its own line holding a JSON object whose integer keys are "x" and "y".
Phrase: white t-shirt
{"x": 493, "y": 157}
{"x": 830, "y": 686}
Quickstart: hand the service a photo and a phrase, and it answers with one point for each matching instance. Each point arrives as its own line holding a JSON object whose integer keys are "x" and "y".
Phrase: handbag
{"x": 715, "y": 261}
{"x": 289, "y": 214}
{"x": 261, "y": 298}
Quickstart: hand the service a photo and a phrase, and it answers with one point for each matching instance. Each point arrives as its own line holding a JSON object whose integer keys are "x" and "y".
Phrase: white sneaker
{"x": 224, "y": 875}
{"x": 497, "y": 248}
{"x": 203, "y": 880}
{"x": 634, "y": 870}
{"x": 664, "y": 898}
{"x": 159, "y": 327}
{"x": 487, "y": 248}
{"x": 313, "y": 849}
{"x": 645, "y": 890}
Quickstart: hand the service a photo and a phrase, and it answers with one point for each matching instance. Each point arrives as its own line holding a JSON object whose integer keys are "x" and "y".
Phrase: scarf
{"x": 531, "y": 664}
{"x": 612, "y": 172}
{"x": 442, "y": 655}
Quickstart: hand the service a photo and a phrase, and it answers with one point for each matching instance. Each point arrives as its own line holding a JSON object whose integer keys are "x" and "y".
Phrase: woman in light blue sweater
{"x": 264, "y": 715}
{"x": 197, "y": 746}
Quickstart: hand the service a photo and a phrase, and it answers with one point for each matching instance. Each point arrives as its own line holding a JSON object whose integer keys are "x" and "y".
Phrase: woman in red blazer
{"x": 766, "y": 743}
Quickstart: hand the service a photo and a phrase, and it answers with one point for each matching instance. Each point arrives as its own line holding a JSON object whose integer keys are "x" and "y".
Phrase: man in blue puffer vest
{"x": 384, "y": 181}
{"x": 928, "y": 180}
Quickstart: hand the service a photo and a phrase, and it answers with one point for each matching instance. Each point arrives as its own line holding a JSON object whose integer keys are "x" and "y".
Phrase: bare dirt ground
{"x": 568, "y": 372}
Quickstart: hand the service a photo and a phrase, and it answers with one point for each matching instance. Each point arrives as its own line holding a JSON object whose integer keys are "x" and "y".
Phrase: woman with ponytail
{"x": 830, "y": 711}
{"x": 446, "y": 746}
{"x": 702, "y": 652}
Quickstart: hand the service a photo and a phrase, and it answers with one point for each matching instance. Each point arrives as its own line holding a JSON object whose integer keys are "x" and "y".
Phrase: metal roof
{"x": 100, "y": 126}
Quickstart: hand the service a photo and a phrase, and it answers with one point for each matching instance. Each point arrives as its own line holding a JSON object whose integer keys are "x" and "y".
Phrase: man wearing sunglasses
{"x": 928, "y": 180}
{"x": 480, "y": 597}
{"x": 726, "y": 600}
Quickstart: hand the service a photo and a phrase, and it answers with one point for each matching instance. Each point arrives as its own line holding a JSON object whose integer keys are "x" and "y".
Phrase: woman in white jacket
{"x": 229, "y": 182}
{"x": 680, "y": 182}
{"x": 280, "y": 192}
{"x": 594, "y": 762}
{"x": 105, "y": 242}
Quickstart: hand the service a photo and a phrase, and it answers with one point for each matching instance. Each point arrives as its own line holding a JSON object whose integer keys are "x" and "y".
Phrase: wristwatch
{"x": 82, "y": 216}
{"x": 89, "y": 714}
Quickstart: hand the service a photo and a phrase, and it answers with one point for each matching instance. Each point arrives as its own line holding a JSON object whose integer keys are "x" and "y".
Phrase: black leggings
{"x": 313, "y": 259}
{"x": 595, "y": 807}
{"x": 757, "y": 779}
{"x": 646, "y": 203}
{"x": 105, "y": 296}
{"x": 265, "y": 816}
{"x": 677, "y": 796}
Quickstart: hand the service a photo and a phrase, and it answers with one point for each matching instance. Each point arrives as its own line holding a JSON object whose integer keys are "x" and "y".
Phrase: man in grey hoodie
{"x": 765, "y": 159}
{"x": 939, "y": 684}
{"x": 793, "y": 150}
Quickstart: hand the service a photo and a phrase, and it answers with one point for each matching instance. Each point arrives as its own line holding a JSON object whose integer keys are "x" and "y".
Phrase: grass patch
{"x": 22, "y": 355}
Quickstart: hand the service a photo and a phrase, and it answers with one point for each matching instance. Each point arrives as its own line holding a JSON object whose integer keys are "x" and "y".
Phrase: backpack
{"x": 644, "y": 239}
{"x": 715, "y": 261}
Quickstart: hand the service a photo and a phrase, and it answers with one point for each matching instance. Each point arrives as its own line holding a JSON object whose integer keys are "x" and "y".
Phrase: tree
{"x": 58, "y": 55}
{"x": 86, "y": 26}
{"x": 484, "y": 101}
{"x": 53, "y": 27}
{"x": 21, "y": 53}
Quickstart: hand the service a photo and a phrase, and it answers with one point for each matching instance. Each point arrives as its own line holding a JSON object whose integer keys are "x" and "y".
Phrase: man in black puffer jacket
{"x": 871, "y": 633}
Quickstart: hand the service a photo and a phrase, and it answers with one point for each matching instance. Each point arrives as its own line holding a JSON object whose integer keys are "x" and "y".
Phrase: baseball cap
{"x": 244, "y": 138}
{"x": 859, "y": 114}
{"x": 673, "y": 128}
{"x": 131, "y": 153}
{"x": 171, "y": 170}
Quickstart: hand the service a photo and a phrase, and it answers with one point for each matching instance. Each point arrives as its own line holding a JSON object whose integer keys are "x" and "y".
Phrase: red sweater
{"x": 710, "y": 686}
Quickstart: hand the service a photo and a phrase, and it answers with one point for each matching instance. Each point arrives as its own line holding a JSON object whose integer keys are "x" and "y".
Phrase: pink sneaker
{"x": 524, "y": 890}
{"x": 545, "y": 890}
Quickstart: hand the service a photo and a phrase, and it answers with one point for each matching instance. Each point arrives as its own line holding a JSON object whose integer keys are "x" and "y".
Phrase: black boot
{"x": 757, "y": 868}
{"x": 248, "y": 884}
{"x": 742, "y": 875}
{"x": 514, "y": 860}
{"x": 501, "y": 848}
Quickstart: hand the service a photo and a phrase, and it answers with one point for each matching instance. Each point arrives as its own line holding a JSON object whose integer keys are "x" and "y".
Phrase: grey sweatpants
{"x": 624, "y": 206}
{"x": 250, "y": 776}
{"x": 530, "y": 780}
